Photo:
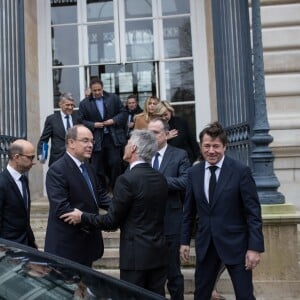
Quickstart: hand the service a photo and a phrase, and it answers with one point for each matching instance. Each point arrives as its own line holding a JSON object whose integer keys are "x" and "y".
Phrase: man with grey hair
{"x": 55, "y": 128}
{"x": 138, "y": 208}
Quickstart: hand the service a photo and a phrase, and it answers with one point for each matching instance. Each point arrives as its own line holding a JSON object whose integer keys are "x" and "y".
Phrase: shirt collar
{"x": 62, "y": 115}
{"x": 77, "y": 161}
{"x": 14, "y": 173}
{"x": 162, "y": 150}
{"x": 137, "y": 162}
{"x": 218, "y": 164}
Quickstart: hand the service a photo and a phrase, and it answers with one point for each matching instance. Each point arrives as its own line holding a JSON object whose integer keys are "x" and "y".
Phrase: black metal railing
{"x": 233, "y": 69}
{"x": 12, "y": 74}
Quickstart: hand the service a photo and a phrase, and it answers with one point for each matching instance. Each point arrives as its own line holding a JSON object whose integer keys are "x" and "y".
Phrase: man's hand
{"x": 252, "y": 259}
{"x": 42, "y": 161}
{"x": 99, "y": 124}
{"x": 73, "y": 217}
{"x": 185, "y": 253}
{"x": 108, "y": 122}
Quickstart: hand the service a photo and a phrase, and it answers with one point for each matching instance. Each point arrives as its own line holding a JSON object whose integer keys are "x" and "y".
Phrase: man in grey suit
{"x": 15, "y": 195}
{"x": 173, "y": 163}
{"x": 138, "y": 208}
{"x": 70, "y": 183}
{"x": 55, "y": 128}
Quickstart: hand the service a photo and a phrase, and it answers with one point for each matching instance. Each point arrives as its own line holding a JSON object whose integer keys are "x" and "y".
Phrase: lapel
{"x": 60, "y": 125}
{"x": 166, "y": 158}
{"x": 199, "y": 185}
{"x": 223, "y": 181}
{"x": 105, "y": 108}
{"x": 76, "y": 171}
{"x": 16, "y": 190}
{"x": 95, "y": 110}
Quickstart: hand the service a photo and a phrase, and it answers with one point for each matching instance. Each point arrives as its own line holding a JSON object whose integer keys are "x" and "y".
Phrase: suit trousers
{"x": 207, "y": 272}
{"x": 153, "y": 279}
{"x": 107, "y": 162}
{"x": 175, "y": 283}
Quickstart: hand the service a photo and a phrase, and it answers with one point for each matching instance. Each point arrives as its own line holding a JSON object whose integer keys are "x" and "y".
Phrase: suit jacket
{"x": 67, "y": 189}
{"x": 233, "y": 220}
{"x": 113, "y": 109}
{"x": 185, "y": 139}
{"x": 138, "y": 208}
{"x": 131, "y": 116}
{"x": 54, "y": 128}
{"x": 174, "y": 166}
{"x": 14, "y": 217}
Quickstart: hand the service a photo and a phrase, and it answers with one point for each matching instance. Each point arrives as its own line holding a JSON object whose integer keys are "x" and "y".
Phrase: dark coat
{"x": 113, "y": 109}
{"x": 67, "y": 189}
{"x": 131, "y": 115}
{"x": 54, "y": 129}
{"x": 138, "y": 208}
{"x": 185, "y": 139}
{"x": 233, "y": 220}
{"x": 14, "y": 217}
{"x": 174, "y": 167}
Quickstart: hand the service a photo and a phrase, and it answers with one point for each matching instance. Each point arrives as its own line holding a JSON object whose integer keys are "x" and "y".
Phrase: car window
{"x": 26, "y": 273}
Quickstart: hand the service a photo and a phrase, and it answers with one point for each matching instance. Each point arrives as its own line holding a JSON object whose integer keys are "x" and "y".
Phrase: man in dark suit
{"x": 55, "y": 128}
{"x": 133, "y": 108}
{"x": 173, "y": 163}
{"x": 222, "y": 192}
{"x": 105, "y": 115}
{"x": 72, "y": 183}
{"x": 138, "y": 208}
{"x": 15, "y": 195}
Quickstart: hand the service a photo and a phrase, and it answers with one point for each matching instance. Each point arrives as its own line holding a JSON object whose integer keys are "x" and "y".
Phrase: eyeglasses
{"x": 86, "y": 141}
{"x": 31, "y": 157}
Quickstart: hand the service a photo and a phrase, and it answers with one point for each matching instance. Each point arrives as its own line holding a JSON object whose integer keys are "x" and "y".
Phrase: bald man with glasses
{"x": 15, "y": 195}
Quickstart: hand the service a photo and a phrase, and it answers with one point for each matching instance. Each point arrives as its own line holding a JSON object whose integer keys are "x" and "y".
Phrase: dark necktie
{"x": 212, "y": 183}
{"x": 24, "y": 189}
{"x": 68, "y": 121}
{"x": 156, "y": 162}
{"x": 88, "y": 180}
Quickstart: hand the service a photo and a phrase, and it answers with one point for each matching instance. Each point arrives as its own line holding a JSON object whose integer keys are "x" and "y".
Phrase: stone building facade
{"x": 281, "y": 40}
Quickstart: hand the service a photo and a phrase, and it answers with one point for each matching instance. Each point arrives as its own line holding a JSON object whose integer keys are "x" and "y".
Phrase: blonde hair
{"x": 159, "y": 111}
{"x": 169, "y": 107}
{"x": 145, "y": 111}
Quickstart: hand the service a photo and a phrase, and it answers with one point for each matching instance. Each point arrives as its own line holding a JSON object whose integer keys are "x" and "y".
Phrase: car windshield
{"x": 26, "y": 273}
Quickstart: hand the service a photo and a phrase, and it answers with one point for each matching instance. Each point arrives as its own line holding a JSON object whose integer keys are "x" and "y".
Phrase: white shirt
{"x": 16, "y": 176}
{"x": 208, "y": 173}
{"x": 161, "y": 155}
{"x": 65, "y": 120}
{"x": 136, "y": 163}
{"x": 77, "y": 161}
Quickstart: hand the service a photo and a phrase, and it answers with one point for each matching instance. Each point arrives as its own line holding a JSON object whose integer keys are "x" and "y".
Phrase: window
{"x": 142, "y": 47}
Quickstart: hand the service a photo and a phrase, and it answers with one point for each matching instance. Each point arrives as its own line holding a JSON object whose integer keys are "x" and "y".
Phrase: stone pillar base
{"x": 278, "y": 274}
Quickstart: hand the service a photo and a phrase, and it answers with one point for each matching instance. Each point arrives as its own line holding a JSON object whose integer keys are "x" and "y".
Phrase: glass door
{"x": 125, "y": 79}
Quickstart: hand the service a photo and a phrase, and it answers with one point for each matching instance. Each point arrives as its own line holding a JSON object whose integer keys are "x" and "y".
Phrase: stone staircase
{"x": 109, "y": 263}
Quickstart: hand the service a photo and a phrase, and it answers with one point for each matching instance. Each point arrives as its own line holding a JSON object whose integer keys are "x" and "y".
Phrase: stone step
{"x": 110, "y": 239}
{"x": 40, "y": 206}
{"x": 110, "y": 259}
{"x": 224, "y": 284}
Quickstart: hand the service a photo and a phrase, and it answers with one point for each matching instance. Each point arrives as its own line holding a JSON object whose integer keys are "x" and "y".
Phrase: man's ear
{"x": 133, "y": 148}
